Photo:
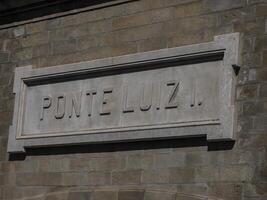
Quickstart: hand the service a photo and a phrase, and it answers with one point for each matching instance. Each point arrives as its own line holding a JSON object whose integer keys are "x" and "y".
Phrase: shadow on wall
{"x": 126, "y": 146}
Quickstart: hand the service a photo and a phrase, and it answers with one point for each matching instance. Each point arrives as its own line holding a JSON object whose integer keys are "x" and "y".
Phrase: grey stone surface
{"x": 174, "y": 92}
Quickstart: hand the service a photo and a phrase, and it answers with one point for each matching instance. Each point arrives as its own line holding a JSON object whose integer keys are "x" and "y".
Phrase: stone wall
{"x": 177, "y": 169}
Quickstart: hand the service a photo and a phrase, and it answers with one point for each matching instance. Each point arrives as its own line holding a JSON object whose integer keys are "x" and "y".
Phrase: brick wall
{"x": 181, "y": 170}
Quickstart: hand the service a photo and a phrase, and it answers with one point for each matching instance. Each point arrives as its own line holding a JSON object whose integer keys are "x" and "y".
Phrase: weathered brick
{"x": 189, "y": 10}
{"x": 263, "y": 90}
{"x": 81, "y": 195}
{"x": 264, "y": 58}
{"x": 35, "y": 39}
{"x": 107, "y": 163}
{"x": 261, "y": 10}
{"x": 131, "y": 195}
{"x": 260, "y": 122}
{"x": 217, "y": 5}
{"x": 19, "y": 31}
{"x": 99, "y": 178}
{"x": 139, "y": 162}
{"x": 37, "y": 27}
{"x": 126, "y": 177}
{"x": 181, "y": 175}
{"x": 25, "y": 54}
{"x": 74, "y": 179}
{"x": 255, "y": 189}
{"x": 4, "y": 57}
{"x": 246, "y": 92}
{"x": 68, "y": 33}
{"x": 131, "y": 21}
{"x": 105, "y": 195}
{"x": 252, "y": 108}
{"x": 155, "y": 176}
{"x": 257, "y": 74}
{"x": 38, "y": 179}
{"x": 64, "y": 47}
{"x": 225, "y": 191}
{"x": 157, "y": 195}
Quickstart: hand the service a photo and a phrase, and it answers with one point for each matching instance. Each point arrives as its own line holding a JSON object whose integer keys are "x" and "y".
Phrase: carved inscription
{"x": 150, "y": 97}
{"x": 162, "y": 97}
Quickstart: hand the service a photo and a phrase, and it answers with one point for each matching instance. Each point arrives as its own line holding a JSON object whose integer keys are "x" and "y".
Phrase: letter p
{"x": 46, "y": 103}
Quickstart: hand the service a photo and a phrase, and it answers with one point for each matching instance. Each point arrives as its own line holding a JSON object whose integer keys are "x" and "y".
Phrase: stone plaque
{"x": 178, "y": 92}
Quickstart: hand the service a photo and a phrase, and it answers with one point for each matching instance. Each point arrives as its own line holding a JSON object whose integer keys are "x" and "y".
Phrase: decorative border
{"x": 225, "y": 48}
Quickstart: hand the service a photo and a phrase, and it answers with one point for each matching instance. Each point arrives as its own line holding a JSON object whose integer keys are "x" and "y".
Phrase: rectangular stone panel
{"x": 178, "y": 92}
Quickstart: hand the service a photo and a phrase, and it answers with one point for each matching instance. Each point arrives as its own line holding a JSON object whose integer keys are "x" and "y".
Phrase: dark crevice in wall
{"x": 125, "y": 146}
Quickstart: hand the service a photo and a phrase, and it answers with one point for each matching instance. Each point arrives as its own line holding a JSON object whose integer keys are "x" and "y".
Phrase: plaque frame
{"x": 225, "y": 48}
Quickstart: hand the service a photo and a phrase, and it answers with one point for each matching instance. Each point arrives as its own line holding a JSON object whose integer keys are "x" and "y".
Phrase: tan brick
{"x": 246, "y": 92}
{"x": 181, "y": 175}
{"x": 105, "y": 195}
{"x": 74, "y": 179}
{"x": 189, "y": 10}
{"x": 261, "y": 10}
{"x": 155, "y": 176}
{"x": 68, "y": 33}
{"x": 131, "y": 195}
{"x": 99, "y": 178}
{"x": 157, "y": 195}
{"x": 225, "y": 191}
{"x": 36, "y": 27}
{"x": 126, "y": 177}
{"x": 139, "y": 162}
{"x": 81, "y": 195}
{"x": 131, "y": 21}
{"x": 38, "y": 179}
{"x": 257, "y": 74}
{"x": 107, "y": 163}
{"x": 35, "y": 39}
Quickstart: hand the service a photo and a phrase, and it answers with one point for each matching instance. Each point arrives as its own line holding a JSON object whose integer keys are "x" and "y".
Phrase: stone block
{"x": 181, "y": 175}
{"x": 4, "y": 57}
{"x": 264, "y": 58}
{"x": 35, "y": 39}
{"x": 37, "y": 27}
{"x": 68, "y": 33}
{"x": 260, "y": 122}
{"x": 168, "y": 160}
{"x": 246, "y": 92}
{"x": 74, "y": 179}
{"x": 38, "y": 179}
{"x": 225, "y": 190}
{"x": 261, "y": 10}
{"x": 64, "y": 47}
{"x": 198, "y": 189}
{"x": 126, "y": 177}
{"x": 25, "y": 54}
{"x": 105, "y": 195}
{"x": 157, "y": 195}
{"x": 252, "y": 108}
{"x": 217, "y": 5}
{"x": 131, "y": 195}
{"x": 81, "y": 195}
{"x": 155, "y": 176}
{"x": 107, "y": 163}
{"x": 99, "y": 178}
{"x": 263, "y": 90}
{"x": 236, "y": 173}
{"x": 139, "y": 161}
{"x": 19, "y": 31}
{"x": 188, "y": 10}
{"x": 257, "y": 74}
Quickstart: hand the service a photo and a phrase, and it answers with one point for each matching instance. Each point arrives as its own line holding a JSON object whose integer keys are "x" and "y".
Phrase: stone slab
{"x": 176, "y": 92}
